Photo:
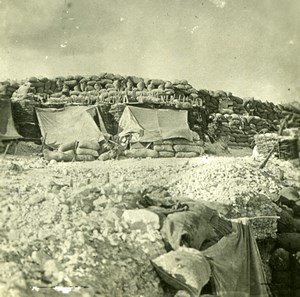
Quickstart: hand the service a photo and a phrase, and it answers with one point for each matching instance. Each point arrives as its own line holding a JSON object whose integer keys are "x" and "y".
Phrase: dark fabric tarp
{"x": 154, "y": 124}
{"x": 64, "y": 125}
{"x": 237, "y": 268}
{"x": 7, "y": 126}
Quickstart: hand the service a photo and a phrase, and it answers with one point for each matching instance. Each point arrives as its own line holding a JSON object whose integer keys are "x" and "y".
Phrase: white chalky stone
{"x": 140, "y": 219}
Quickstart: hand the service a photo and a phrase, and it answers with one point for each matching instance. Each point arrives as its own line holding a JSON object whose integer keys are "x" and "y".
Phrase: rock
{"x": 140, "y": 219}
{"x": 289, "y": 196}
{"x": 289, "y": 241}
{"x": 40, "y": 257}
{"x": 296, "y": 209}
{"x": 281, "y": 277}
{"x": 295, "y": 269}
{"x": 280, "y": 260}
{"x": 286, "y": 223}
{"x": 182, "y": 293}
{"x": 297, "y": 225}
{"x": 287, "y": 209}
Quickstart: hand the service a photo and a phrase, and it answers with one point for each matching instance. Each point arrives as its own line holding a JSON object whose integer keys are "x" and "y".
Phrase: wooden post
{"x": 6, "y": 150}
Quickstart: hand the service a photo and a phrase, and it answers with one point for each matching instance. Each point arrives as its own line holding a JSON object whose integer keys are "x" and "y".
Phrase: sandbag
{"x": 186, "y": 155}
{"x": 182, "y": 141}
{"x": 286, "y": 223}
{"x": 85, "y": 158}
{"x": 93, "y": 145}
{"x": 86, "y": 151}
{"x": 67, "y": 146}
{"x": 141, "y": 153}
{"x": 163, "y": 147}
{"x": 160, "y": 142}
{"x": 187, "y": 148}
{"x": 184, "y": 269}
{"x": 58, "y": 156}
{"x": 289, "y": 241}
{"x": 106, "y": 156}
{"x": 166, "y": 154}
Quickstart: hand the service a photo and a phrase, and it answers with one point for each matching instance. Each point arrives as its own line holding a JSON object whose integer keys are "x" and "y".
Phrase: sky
{"x": 248, "y": 47}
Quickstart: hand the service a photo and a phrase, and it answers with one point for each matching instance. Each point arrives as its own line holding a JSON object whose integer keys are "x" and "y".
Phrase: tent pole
{"x": 6, "y": 150}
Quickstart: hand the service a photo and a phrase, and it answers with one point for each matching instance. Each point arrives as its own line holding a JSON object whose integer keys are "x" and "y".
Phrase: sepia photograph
{"x": 149, "y": 148}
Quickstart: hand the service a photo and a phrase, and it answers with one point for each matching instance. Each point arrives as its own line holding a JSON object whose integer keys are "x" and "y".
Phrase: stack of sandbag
{"x": 211, "y": 102}
{"x": 7, "y": 88}
{"x": 164, "y": 148}
{"x": 187, "y": 149}
{"x": 179, "y": 148}
{"x": 220, "y": 101}
{"x": 238, "y": 129}
{"x": 59, "y": 156}
{"x": 87, "y": 151}
{"x": 265, "y": 110}
{"x": 141, "y": 153}
{"x": 238, "y": 104}
{"x": 109, "y": 88}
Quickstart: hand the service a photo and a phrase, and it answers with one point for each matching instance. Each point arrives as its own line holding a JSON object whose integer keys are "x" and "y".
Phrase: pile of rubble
{"x": 241, "y": 190}
{"x": 73, "y": 236}
{"x": 80, "y": 227}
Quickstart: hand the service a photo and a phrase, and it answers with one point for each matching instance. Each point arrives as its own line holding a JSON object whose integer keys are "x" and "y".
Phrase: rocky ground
{"x": 64, "y": 224}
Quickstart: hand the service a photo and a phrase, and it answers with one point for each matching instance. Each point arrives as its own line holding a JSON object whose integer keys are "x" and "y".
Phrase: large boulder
{"x": 141, "y": 219}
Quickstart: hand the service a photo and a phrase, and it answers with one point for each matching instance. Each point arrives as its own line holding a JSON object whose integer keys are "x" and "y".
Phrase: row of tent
{"x": 64, "y": 125}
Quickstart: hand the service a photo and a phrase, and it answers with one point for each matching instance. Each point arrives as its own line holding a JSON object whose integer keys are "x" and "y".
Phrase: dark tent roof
{"x": 68, "y": 124}
{"x": 7, "y": 126}
{"x": 155, "y": 124}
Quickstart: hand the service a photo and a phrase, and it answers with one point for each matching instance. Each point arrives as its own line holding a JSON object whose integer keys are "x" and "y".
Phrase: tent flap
{"x": 7, "y": 126}
{"x": 67, "y": 124}
{"x": 156, "y": 124}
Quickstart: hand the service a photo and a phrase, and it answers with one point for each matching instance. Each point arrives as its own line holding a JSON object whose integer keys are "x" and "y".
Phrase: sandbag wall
{"x": 264, "y": 110}
{"x": 179, "y": 148}
{"x": 237, "y": 130}
{"x": 115, "y": 90}
{"x": 219, "y": 101}
{"x": 107, "y": 87}
{"x": 285, "y": 259}
{"x": 109, "y": 90}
